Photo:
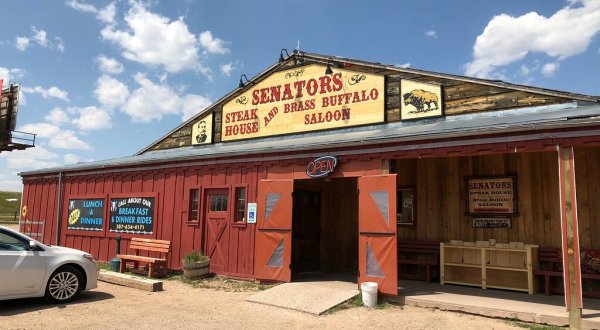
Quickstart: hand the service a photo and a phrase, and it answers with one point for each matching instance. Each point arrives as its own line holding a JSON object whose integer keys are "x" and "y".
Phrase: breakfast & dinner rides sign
{"x": 304, "y": 99}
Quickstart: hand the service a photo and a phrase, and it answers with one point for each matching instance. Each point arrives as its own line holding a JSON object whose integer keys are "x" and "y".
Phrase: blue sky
{"x": 104, "y": 79}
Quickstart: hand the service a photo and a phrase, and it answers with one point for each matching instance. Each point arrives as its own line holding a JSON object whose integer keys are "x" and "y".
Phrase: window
{"x": 405, "y": 206}
{"x": 240, "y": 205}
{"x": 11, "y": 243}
{"x": 218, "y": 203}
{"x": 194, "y": 193}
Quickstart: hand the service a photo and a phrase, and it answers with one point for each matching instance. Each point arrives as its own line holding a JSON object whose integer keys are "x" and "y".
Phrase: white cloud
{"x": 92, "y": 118}
{"x": 193, "y": 104}
{"x": 549, "y": 69}
{"x": 71, "y": 159}
{"x": 151, "y": 101}
{"x": 48, "y": 93}
{"x": 155, "y": 40}
{"x": 228, "y": 68}
{"x": 60, "y": 45}
{"x": 11, "y": 183}
{"x": 403, "y": 65}
{"x": 57, "y": 116}
{"x": 40, "y": 37}
{"x": 9, "y": 75}
{"x": 213, "y": 45}
{"x": 106, "y": 14}
{"x": 431, "y": 34}
{"x": 109, "y": 64}
{"x": 67, "y": 139}
{"x": 57, "y": 138}
{"x": 507, "y": 39}
{"x": 30, "y": 159}
{"x": 524, "y": 70}
{"x": 83, "y": 7}
{"x": 111, "y": 92}
{"x": 21, "y": 43}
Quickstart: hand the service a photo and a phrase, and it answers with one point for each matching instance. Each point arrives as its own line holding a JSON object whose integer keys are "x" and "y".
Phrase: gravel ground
{"x": 182, "y": 306}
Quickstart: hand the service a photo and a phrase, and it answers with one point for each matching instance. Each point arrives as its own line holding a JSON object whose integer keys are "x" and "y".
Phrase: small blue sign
{"x": 251, "y": 212}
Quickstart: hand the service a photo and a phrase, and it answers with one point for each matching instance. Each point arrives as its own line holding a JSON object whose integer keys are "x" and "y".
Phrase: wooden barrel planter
{"x": 195, "y": 270}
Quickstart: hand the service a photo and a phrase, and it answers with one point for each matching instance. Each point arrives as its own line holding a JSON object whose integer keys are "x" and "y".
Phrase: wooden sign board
{"x": 202, "y": 130}
{"x": 491, "y": 195}
{"x": 304, "y": 99}
{"x": 420, "y": 100}
{"x": 491, "y": 222}
{"x": 133, "y": 215}
{"x": 86, "y": 214}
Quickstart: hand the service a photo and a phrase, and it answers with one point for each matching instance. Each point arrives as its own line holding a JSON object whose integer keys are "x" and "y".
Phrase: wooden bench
{"x": 158, "y": 247}
{"x": 550, "y": 260}
{"x": 408, "y": 252}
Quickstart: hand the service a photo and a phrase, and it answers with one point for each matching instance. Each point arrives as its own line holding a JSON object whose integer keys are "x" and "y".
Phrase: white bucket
{"x": 369, "y": 293}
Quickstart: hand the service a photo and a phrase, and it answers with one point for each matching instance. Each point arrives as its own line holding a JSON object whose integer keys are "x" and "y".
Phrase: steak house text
{"x": 245, "y": 122}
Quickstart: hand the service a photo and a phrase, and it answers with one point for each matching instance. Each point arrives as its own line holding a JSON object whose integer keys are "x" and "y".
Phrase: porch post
{"x": 570, "y": 235}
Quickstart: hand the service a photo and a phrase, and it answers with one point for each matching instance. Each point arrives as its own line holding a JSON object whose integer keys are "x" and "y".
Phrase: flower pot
{"x": 195, "y": 270}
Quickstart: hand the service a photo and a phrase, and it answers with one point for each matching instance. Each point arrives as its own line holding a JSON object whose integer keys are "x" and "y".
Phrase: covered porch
{"x": 536, "y": 308}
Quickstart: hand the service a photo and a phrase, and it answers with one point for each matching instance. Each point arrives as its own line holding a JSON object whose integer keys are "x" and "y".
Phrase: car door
{"x": 22, "y": 271}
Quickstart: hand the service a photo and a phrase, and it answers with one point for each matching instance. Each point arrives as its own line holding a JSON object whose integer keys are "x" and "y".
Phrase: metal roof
{"x": 515, "y": 120}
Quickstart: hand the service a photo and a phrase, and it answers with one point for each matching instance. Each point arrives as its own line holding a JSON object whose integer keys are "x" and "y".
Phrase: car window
{"x": 9, "y": 242}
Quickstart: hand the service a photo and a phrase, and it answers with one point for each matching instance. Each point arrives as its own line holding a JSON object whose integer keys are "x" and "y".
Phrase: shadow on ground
{"x": 20, "y": 306}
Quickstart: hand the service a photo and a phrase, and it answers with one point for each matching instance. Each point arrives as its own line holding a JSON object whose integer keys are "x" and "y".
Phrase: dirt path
{"x": 181, "y": 306}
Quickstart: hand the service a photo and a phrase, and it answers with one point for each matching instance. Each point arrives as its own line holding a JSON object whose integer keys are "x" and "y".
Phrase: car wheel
{"x": 64, "y": 285}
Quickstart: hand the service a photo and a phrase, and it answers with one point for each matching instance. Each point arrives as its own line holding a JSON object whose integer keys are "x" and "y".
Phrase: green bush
{"x": 195, "y": 256}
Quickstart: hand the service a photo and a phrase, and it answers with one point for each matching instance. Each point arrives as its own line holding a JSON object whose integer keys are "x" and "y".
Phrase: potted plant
{"x": 195, "y": 265}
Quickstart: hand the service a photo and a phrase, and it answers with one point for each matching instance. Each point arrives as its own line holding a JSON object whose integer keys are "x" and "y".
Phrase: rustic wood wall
{"x": 459, "y": 97}
{"x": 587, "y": 184}
{"x": 440, "y": 190}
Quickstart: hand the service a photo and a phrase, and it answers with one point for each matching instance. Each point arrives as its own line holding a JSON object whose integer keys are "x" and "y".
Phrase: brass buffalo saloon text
{"x": 304, "y": 99}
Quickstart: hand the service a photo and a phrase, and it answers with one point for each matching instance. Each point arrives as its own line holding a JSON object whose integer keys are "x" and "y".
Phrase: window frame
{"x": 240, "y": 224}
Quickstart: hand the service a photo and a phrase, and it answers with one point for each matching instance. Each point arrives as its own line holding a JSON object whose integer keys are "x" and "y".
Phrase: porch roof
{"x": 515, "y": 120}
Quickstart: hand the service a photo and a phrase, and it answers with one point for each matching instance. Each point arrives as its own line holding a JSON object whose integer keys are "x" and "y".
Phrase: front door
{"x": 217, "y": 229}
{"x": 306, "y": 233}
{"x": 377, "y": 254}
{"x": 273, "y": 237}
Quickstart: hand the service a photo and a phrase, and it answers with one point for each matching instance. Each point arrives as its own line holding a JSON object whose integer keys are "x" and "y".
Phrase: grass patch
{"x": 354, "y": 302}
{"x": 9, "y": 207}
{"x": 104, "y": 265}
{"x": 221, "y": 283}
{"x": 533, "y": 326}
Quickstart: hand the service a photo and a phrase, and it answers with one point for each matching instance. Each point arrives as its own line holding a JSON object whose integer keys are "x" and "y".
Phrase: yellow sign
{"x": 24, "y": 210}
{"x": 202, "y": 130}
{"x": 304, "y": 99}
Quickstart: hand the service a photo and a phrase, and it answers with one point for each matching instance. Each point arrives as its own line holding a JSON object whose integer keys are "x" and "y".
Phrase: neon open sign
{"x": 321, "y": 166}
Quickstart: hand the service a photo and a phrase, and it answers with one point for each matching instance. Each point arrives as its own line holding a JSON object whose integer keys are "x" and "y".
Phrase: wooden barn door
{"x": 377, "y": 243}
{"x": 217, "y": 229}
{"x": 273, "y": 237}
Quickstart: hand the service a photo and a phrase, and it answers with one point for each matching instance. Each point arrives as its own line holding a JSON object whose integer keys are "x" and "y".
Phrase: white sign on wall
{"x": 251, "y": 213}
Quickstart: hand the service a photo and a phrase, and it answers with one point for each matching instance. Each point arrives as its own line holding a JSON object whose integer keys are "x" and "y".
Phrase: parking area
{"x": 182, "y": 306}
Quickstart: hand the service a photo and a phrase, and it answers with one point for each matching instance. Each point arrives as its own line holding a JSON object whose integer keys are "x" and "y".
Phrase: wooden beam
{"x": 570, "y": 235}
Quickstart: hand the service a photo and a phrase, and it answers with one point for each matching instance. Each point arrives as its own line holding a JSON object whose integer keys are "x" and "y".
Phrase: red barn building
{"x": 328, "y": 164}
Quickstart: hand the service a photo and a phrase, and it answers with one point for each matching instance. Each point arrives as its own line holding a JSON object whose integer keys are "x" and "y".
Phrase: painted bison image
{"x": 420, "y": 99}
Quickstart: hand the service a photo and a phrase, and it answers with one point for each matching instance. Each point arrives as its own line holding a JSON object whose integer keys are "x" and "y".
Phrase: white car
{"x": 29, "y": 268}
